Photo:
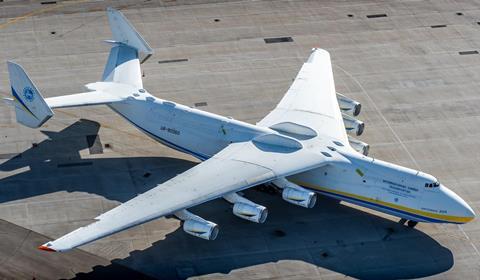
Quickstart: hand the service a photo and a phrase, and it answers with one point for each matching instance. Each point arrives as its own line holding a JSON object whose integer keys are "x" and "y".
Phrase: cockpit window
{"x": 432, "y": 185}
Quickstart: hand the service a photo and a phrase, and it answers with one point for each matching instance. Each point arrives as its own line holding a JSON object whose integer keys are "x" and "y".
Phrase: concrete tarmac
{"x": 414, "y": 66}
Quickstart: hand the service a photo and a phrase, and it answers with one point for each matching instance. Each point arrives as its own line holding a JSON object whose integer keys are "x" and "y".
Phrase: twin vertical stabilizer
{"x": 122, "y": 73}
{"x": 123, "y": 65}
{"x": 30, "y": 108}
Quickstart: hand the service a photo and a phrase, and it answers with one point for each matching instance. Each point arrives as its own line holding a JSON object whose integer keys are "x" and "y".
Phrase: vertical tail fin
{"x": 30, "y": 107}
{"x": 123, "y": 65}
{"x": 124, "y": 32}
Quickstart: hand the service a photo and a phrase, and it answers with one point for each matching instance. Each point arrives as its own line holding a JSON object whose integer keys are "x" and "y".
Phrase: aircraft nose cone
{"x": 469, "y": 211}
{"x": 465, "y": 208}
{"x": 462, "y": 208}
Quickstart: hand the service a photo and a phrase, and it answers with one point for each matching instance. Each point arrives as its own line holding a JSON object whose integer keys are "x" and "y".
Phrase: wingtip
{"x": 46, "y": 248}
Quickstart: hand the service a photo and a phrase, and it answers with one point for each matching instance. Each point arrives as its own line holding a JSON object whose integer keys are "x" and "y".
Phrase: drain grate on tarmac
{"x": 173, "y": 60}
{"x": 377, "y": 16}
{"x": 278, "y": 40}
{"x": 467, "y": 52}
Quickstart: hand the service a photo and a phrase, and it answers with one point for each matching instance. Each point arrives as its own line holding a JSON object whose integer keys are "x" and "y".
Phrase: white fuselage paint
{"x": 361, "y": 180}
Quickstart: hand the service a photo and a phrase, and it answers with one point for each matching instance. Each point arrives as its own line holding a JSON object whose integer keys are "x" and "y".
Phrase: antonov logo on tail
{"x": 29, "y": 94}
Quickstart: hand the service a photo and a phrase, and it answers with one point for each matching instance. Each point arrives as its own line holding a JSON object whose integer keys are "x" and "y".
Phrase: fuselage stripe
{"x": 391, "y": 207}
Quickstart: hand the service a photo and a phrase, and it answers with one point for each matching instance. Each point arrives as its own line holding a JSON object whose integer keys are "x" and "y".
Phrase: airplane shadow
{"x": 351, "y": 242}
{"x": 55, "y": 165}
{"x": 331, "y": 236}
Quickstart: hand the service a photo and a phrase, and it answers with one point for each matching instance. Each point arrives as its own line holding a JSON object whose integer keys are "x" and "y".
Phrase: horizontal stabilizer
{"x": 9, "y": 101}
{"x": 81, "y": 99}
{"x": 102, "y": 93}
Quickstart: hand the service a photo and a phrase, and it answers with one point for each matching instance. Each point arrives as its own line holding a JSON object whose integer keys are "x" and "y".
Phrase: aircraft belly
{"x": 332, "y": 180}
{"x": 340, "y": 184}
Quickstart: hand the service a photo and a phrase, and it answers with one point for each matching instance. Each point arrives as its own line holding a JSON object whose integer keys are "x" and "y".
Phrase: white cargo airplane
{"x": 301, "y": 147}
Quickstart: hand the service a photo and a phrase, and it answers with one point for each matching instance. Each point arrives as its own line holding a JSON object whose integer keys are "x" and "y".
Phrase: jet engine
{"x": 246, "y": 209}
{"x": 253, "y": 213}
{"x": 295, "y": 194}
{"x": 197, "y": 226}
{"x": 348, "y": 106}
{"x": 206, "y": 230}
{"x": 359, "y": 146}
{"x": 353, "y": 125}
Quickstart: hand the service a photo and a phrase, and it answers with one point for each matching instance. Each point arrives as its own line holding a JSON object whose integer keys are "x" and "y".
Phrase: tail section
{"x": 123, "y": 65}
{"x": 121, "y": 77}
{"x": 30, "y": 107}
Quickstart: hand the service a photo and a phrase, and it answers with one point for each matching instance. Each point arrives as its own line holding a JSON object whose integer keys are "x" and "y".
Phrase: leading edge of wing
{"x": 237, "y": 167}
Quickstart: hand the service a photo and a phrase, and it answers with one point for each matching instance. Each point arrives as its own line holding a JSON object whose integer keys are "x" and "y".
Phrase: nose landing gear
{"x": 410, "y": 223}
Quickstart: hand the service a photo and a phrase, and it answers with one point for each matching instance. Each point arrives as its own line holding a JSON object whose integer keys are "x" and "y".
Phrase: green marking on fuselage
{"x": 359, "y": 172}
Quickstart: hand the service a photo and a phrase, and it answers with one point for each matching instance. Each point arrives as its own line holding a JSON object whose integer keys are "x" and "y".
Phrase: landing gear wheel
{"x": 411, "y": 224}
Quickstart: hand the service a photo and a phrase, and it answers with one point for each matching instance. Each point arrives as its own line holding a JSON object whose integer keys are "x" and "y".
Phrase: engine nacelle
{"x": 197, "y": 226}
{"x": 359, "y": 146}
{"x": 298, "y": 197}
{"x": 353, "y": 125}
{"x": 251, "y": 212}
{"x": 348, "y": 105}
{"x": 203, "y": 229}
{"x": 295, "y": 194}
{"x": 246, "y": 209}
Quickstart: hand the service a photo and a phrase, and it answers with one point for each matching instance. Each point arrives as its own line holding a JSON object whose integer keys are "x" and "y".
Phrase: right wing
{"x": 310, "y": 101}
{"x": 237, "y": 167}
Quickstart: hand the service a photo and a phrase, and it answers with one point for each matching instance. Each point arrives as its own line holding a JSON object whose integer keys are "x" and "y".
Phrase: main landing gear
{"x": 410, "y": 223}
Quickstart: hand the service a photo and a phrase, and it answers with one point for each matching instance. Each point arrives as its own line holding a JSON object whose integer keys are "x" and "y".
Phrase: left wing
{"x": 237, "y": 167}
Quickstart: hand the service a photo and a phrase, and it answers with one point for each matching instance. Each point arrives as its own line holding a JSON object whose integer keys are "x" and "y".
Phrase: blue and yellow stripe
{"x": 395, "y": 208}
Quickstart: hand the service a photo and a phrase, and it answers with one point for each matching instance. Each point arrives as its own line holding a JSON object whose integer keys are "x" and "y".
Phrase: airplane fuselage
{"x": 360, "y": 180}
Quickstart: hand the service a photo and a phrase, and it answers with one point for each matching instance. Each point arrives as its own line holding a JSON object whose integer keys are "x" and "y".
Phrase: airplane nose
{"x": 469, "y": 211}
{"x": 465, "y": 208}
{"x": 461, "y": 207}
